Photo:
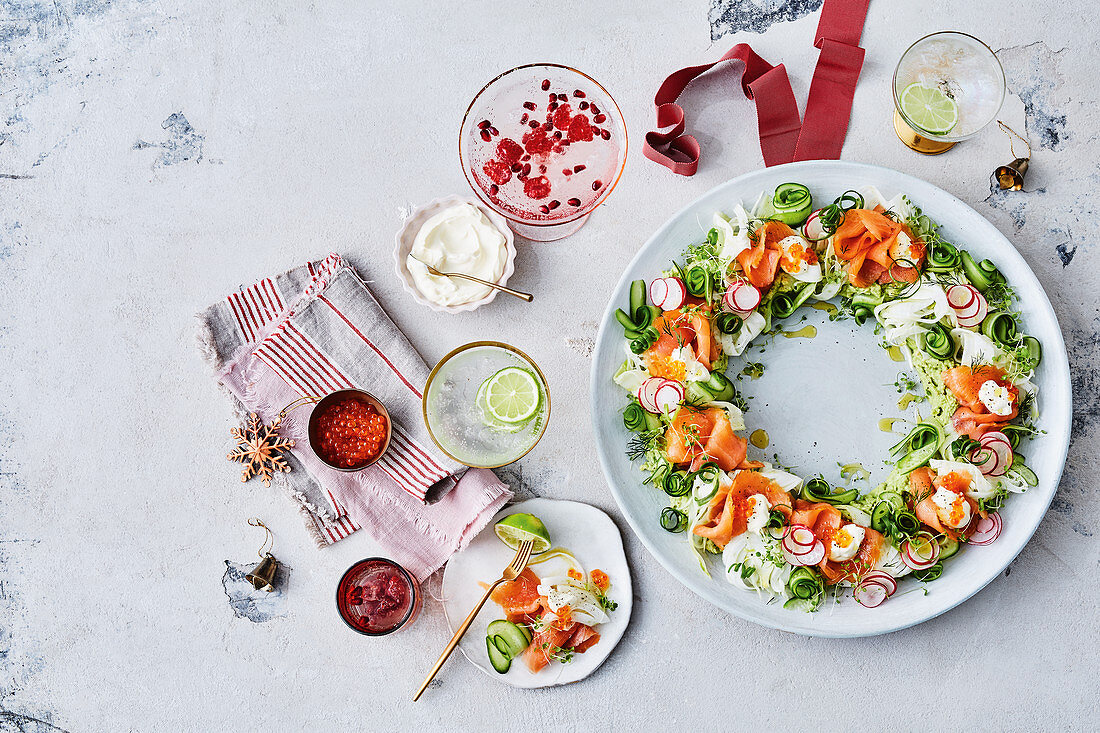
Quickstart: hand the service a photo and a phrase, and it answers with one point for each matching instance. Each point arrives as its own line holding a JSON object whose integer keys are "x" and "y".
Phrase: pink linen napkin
{"x": 315, "y": 329}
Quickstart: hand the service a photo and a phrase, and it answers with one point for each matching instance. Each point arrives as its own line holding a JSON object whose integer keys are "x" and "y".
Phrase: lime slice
{"x": 517, "y": 528}
{"x": 929, "y": 108}
{"x": 512, "y": 395}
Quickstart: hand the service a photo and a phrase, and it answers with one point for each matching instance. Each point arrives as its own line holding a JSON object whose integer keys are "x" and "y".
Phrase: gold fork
{"x": 522, "y": 296}
{"x": 519, "y": 562}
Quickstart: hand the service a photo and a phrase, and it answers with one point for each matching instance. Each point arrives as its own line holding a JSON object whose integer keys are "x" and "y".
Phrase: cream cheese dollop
{"x": 458, "y": 239}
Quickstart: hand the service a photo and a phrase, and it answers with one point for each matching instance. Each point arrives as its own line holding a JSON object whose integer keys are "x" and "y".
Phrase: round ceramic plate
{"x": 582, "y": 529}
{"x": 821, "y": 399}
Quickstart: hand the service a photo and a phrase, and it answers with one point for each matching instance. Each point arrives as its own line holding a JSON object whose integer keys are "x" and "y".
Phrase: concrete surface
{"x": 155, "y": 155}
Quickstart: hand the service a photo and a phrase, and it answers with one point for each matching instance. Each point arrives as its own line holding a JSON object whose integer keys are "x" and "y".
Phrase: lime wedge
{"x": 517, "y": 528}
{"x": 929, "y": 108}
{"x": 511, "y": 396}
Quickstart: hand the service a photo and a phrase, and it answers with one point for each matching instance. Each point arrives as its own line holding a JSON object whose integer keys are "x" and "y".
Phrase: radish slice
{"x": 668, "y": 396}
{"x": 960, "y": 296}
{"x": 647, "y": 393}
{"x": 986, "y": 530}
{"x": 884, "y": 579}
{"x": 984, "y": 459}
{"x": 870, "y": 594}
{"x": 917, "y": 559}
{"x": 993, "y": 456}
{"x": 676, "y": 294}
{"x": 741, "y": 296}
{"x": 802, "y": 535}
{"x": 815, "y": 556}
{"x": 812, "y": 229}
{"x": 969, "y": 304}
{"x": 658, "y": 290}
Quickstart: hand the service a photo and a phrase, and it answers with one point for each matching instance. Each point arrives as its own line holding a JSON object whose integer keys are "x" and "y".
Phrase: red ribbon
{"x": 784, "y": 137}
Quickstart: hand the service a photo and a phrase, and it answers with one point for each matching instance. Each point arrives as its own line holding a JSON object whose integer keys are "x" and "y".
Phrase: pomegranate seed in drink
{"x": 516, "y": 167}
{"x": 494, "y": 131}
{"x": 574, "y": 202}
{"x": 530, "y": 105}
{"x": 578, "y": 94}
{"x": 486, "y": 136}
{"x": 526, "y": 157}
{"x": 544, "y": 209}
{"x": 545, "y": 84}
{"x": 548, "y": 125}
{"x": 597, "y": 185}
{"x": 567, "y": 171}
{"x": 557, "y": 134}
{"x": 579, "y": 167}
{"x": 595, "y": 109}
{"x": 527, "y": 169}
{"x": 599, "y": 119}
{"x": 483, "y": 124}
{"x": 542, "y": 169}
{"x": 583, "y": 105}
{"x": 563, "y": 97}
{"x": 523, "y": 120}
{"x": 494, "y": 189}
{"x": 553, "y": 97}
{"x": 553, "y": 204}
{"x": 533, "y": 124}
{"x": 605, "y": 134}
{"x": 553, "y": 106}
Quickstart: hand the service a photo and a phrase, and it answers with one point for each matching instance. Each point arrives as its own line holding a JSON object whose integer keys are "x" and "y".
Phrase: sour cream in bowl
{"x": 454, "y": 234}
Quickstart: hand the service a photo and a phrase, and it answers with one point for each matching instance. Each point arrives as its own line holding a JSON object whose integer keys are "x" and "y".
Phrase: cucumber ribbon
{"x": 792, "y": 203}
{"x": 819, "y": 490}
{"x": 637, "y": 419}
{"x": 918, "y": 447}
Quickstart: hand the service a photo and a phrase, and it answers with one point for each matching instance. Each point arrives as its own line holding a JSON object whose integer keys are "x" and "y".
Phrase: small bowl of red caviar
{"x": 349, "y": 429}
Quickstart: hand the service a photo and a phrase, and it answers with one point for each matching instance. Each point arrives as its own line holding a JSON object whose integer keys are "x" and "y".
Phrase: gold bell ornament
{"x": 1011, "y": 176}
{"x": 262, "y": 577}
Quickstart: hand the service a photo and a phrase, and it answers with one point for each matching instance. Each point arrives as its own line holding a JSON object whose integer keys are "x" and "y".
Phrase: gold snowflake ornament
{"x": 260, "y": 449}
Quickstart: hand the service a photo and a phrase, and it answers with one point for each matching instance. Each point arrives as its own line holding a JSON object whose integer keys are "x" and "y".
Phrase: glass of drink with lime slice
{"x": 486, "y": 404}
{"x": 947, "y": 87}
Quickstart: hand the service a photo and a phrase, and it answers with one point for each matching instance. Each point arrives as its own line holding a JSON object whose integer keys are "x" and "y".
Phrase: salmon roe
{"x": 350, "y": 432}
{"x": 600, "y": 580}
{"x": 954, "y": 482}
{"x": 662, "y": 366}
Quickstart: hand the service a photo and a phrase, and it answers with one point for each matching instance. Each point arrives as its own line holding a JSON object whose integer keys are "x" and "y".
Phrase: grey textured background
{"x": 155, "y": 155}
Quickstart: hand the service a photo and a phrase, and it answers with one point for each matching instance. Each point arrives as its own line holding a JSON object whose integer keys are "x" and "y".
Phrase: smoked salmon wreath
{"x": 950, "y": 317}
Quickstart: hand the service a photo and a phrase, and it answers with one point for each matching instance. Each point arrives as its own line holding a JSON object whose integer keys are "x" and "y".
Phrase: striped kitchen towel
{"x": 316, "y": 329}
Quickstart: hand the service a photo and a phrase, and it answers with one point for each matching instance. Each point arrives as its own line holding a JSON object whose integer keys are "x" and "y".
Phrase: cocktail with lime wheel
{"x": 486, "y": 404}
{"x": 947, "y": 87}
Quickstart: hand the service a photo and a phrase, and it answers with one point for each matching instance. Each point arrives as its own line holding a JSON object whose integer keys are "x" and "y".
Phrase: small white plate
{"x": 582, "y": 529}
{"x": 407, "y": 235}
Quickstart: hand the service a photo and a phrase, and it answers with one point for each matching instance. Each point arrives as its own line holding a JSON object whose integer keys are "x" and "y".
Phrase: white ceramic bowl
{"x": 973, "y": 568}
{"x": 407, "y": 235}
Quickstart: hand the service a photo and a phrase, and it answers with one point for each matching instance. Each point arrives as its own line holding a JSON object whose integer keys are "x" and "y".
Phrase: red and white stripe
{"x": 254, "y": 307}
{"x": 303, "y": 365}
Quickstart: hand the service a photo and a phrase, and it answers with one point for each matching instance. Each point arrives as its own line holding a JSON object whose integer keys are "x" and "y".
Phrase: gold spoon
{"x": 522, "y": 296}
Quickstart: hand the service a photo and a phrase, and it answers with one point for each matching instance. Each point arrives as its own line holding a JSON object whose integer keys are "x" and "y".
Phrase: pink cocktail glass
{"x": 377, "y": 596}
{"x": 543, "y": 145}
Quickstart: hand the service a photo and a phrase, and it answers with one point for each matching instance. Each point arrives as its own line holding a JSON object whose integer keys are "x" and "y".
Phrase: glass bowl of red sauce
{"x": 377, "y": 596}
{"x": 349, "y": 429}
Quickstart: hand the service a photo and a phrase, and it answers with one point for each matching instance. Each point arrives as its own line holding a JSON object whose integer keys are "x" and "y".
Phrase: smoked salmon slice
{"x": 761, "y": 260}
{"x": 696, "y": 436}
{"x": 676, "y": 329}
{"x": 728, "y": 512}
{"x": 877, "y": 249}
{"x": 544, "y": 645}
{"x": 923, "y": 482}
{"x": 824, "y": 520}
{"x": 583, "y": 638}
{"x": 972, "y": 418}
{"x": 519, "y": 597}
